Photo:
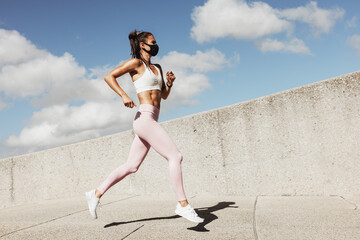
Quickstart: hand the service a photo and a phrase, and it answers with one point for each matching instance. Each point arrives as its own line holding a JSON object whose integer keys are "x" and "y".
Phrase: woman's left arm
{"x": 170, "y": 77}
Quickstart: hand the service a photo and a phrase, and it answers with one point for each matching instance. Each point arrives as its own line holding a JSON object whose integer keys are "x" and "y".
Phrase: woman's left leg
{"x": 147, "y": 127}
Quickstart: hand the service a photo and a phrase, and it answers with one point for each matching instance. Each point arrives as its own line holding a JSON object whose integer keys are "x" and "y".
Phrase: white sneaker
{"x": 188, "y": 212}
{"x": 93, "y": 202}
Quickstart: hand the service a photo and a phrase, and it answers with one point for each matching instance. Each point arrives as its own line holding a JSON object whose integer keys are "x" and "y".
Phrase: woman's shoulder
{"x": 134, "y": 61}
{"x": 157, "y": 65}
{"x": 132, "y": 64}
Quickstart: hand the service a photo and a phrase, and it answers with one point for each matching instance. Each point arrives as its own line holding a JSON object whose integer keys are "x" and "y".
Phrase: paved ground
{"x": 153, "y": 217}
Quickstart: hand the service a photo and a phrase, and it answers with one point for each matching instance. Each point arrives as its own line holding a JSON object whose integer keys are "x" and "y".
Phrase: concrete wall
{"x": 303, "y": 141}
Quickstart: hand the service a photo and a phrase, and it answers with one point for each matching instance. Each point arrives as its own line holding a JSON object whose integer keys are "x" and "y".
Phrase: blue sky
{"x": 54, "y": 55}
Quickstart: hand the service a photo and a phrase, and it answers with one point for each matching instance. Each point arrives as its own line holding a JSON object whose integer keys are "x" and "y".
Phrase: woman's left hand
{"x": 170, "y": 76}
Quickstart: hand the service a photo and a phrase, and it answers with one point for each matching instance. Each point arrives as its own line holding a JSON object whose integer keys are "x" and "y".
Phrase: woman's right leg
{"x": 147, "y": 127}
{"x": 138, "y": 150}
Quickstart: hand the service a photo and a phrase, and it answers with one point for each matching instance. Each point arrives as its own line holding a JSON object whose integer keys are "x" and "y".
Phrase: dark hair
{"x": 135, "y": 38}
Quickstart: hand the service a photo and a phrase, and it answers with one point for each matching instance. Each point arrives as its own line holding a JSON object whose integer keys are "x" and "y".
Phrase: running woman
{"x": 150, "y": 88}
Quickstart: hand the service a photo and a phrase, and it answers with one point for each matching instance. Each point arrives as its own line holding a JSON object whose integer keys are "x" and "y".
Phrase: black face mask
{"x": 154, "y": 49}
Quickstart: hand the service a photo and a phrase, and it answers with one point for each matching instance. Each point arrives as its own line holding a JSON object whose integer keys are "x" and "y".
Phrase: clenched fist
{"x": 128, "y": 102}
{"x": 170, "y": 77}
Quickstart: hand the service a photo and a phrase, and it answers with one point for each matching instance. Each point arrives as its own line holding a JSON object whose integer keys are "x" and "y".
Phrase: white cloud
{"x": 37, "y": 75}
{"x": 82, "y": 89}
{"x": 272, "y": 45}
{"x": 189, "y": 71}
{"x": 51, "y": 83}
{"x": 64, "y": 124}
{"x": 354, "y": 42}
{"x": 209, "y": 60}
{"x": 27, "y": 72}
{"x": 240, "y": 19}
{"x": 14, "y": 48}
{"x": 321, "y": 20}
{"x": 352, "y": 23}
{"x": 236, "y": 19}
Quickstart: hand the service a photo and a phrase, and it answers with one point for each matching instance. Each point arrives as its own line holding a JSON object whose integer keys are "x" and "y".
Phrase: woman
{"x": 150, "y": 88}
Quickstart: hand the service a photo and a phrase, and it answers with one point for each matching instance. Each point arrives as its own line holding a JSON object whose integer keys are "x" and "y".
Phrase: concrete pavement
{"x": 153, "y": 217}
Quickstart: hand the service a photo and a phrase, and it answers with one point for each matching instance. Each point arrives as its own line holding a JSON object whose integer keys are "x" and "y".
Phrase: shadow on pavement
{"x": 205, "y": 212}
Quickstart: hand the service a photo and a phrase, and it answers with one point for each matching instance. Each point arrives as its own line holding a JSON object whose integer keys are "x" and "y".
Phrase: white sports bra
{"x": 148, "y": 81}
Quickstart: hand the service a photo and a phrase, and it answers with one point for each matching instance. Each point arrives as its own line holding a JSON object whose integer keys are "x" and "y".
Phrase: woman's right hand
{"x": 128, "y": 102}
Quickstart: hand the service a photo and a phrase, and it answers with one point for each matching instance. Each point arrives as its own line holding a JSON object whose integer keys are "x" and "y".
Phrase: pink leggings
{"x": 149, "y": 133}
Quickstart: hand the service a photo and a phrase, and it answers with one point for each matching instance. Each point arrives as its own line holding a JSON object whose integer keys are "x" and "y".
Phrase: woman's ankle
{"x": 98, "y": 194}
{"x": 184, "y": 203}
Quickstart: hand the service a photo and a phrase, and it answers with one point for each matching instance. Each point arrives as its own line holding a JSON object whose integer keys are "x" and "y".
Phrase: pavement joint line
{"x": 352, "y": 203}
{"x": 119, "y": 200}
{"x": 35, "y": 225}
{"x": 57, "y": 218}
{"x": 133, "y": 231}
{"x": 254, "y": 219}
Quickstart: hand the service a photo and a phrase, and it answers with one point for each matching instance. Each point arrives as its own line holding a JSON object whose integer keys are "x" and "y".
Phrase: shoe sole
{"x": 88, "y": 197}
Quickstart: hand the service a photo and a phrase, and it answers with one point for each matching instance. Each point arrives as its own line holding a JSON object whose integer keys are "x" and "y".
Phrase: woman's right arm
{"x": 127, "y": 67}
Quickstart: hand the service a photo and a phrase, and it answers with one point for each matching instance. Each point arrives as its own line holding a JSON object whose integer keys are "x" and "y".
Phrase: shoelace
{"x": 100, "y": 205}
{"x": 193, "y": 212}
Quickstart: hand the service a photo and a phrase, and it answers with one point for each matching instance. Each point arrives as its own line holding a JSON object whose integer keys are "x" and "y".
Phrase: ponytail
{"x": 135, "y": 38}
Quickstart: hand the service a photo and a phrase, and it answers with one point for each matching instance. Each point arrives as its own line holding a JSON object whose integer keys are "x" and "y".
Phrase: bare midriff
{"x": 152, "y": 97}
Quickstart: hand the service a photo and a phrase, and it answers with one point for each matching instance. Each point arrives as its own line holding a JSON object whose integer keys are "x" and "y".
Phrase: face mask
{"x": 154, "y": 49}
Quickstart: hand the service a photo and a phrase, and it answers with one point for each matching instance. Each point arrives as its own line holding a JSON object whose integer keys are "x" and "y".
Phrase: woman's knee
{"x": 133, "y": 169}
{"x": 176, "y": 157}
{"x": 129, "y": 168}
